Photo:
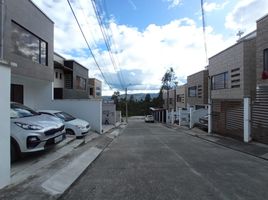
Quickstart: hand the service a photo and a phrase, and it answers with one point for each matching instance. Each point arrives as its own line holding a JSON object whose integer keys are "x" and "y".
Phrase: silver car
{"x": 31, "y": 131}
{"x": 149, "y": 118}
{"x": 73, "y": 126}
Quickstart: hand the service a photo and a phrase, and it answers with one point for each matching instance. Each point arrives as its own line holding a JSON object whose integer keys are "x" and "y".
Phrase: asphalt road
{"x": 150, "y": 161}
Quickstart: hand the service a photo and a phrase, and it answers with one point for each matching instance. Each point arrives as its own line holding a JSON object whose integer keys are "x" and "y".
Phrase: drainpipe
{"x": 2, "y": 14}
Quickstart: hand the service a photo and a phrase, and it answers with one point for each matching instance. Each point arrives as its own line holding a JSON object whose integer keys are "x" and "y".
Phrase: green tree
{"x": 115, "y": 97}
{"x": 147, "y": 98}
{"x": 169, "y": 79}
{"x": 168, "y": 82}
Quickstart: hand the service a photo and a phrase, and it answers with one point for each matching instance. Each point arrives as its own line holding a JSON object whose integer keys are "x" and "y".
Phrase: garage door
{"x": 227, "y": 118}
{"x": 260, "y": 115}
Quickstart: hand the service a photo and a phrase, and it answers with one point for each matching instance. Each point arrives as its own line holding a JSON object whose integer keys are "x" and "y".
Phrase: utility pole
{"x": 126, "y": 106}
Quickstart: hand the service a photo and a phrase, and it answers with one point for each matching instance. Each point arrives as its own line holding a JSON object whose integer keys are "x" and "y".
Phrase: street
{"x": 150, "y": 161}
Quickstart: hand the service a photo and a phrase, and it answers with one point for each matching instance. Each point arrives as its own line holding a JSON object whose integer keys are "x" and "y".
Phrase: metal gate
{"x": 227, "y": 118}
{"x": 260, "y": 115}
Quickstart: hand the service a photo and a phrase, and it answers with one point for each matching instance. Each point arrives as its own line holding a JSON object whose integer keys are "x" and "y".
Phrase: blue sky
{"x": 149, "y": 36}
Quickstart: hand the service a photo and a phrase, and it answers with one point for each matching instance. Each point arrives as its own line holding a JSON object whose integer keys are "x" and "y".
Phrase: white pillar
{"x": 191, "y": 124}
{"x": 4, "y": 124}
{"x": 180, "y": 116}
{"x": 166, "y": 116}
{"x": 247, "y": 117}
{"x": 172, "y": 116}
{"x": 209, "y": 116}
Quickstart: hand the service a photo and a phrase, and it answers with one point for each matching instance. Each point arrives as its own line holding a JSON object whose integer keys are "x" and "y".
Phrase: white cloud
{"x": 245, "y": 13}
{"x": 209, "y": 7}
{"x": 173, "y": 3}
{"x": 144, "y": 56}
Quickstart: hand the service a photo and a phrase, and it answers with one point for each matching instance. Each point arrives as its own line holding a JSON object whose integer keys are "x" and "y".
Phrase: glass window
{"x": 20, "y": 111}
{"x": 65, "y": 116}
{"x": 80, "y": 83}
{"x": 265, "y": 60}
{"x": 26, "y": 44}
{"x": 192, "y": 91}
{"x": 179, "y": 98}
{"x": 219, "y": 81}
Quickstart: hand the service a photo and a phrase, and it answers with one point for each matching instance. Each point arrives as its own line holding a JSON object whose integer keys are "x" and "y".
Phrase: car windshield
{"x": 20, "y": 111}
{"x": 64, "y": 116}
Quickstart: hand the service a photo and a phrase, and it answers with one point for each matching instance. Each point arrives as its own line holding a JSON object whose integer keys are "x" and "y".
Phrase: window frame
{"x": 191, "y": 88}
{"x": 265, "y": 60}
{"x": 225, "y": 81}
{"x": 78, "y": 84}
{"x": 21, "y": 30}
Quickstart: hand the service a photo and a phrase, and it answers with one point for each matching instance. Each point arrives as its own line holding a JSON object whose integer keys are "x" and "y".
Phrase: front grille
{"x": 53, "y": 131}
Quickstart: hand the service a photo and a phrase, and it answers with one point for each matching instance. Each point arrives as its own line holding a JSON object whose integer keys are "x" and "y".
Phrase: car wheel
{"x": 70, "y": 132}
{"x": 14, "y": 152}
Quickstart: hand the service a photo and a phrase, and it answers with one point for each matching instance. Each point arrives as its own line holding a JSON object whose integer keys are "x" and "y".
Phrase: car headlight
{"x": 80, "y": 127}
{"x": 28, "y": 126}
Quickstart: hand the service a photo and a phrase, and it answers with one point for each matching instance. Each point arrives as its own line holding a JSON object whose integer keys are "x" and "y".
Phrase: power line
{"x": 104, "y": 6}
{"x": 106, "y": 40}
{"x": 91, "y": 52}
{"x": 204, "y": 29}
{"x": 103, "y": 62}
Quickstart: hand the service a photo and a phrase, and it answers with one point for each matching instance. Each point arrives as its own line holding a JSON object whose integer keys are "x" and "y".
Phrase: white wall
{"x": 39, "y": 94}
{"x": 35, "y": 91}
{"x": 118, "y": 116}
{"x": 5, "y": 125}
{"x": 89, "y": 110}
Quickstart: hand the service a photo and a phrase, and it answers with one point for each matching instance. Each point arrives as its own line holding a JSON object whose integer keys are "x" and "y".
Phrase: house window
{"x": 60, "y": 75}
{"x": 265, "y": 60}
{"x": 26, "y": 44}
{"x": 170, "y": 101}
{"x": 178, "y": 98}
{"x": 219, "y": 81}
{"x": 192, "y": 91}
{"x": 265, "y": 64}
{"x": 80, "y": 83}
{"x": 56, "y": 75}
{"x": 98, "y": 91}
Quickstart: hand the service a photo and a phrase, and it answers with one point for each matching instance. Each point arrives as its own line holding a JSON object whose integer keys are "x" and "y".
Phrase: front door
{"x": 16, "y": 93}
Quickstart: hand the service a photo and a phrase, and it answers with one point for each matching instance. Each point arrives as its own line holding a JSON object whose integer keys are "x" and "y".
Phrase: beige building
{"x": 232, "y": 79}
{"x": 260, "y": 102}
{"x": 181, "y": 96}
{"x": 95, "y": 88}
{"x": 197, "y": 89}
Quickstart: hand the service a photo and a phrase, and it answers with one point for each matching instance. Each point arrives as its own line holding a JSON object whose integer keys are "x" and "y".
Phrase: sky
{"x": 147, "y": 37}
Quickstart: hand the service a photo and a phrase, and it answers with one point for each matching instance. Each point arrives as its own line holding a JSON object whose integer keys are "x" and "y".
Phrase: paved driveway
{"x": 149, "y": 161}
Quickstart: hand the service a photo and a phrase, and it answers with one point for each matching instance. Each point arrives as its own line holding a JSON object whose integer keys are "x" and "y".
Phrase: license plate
{"x": 58, "y": 139}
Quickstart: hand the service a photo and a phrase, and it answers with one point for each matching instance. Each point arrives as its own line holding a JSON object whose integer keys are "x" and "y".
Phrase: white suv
{"x": 31, "y": 131}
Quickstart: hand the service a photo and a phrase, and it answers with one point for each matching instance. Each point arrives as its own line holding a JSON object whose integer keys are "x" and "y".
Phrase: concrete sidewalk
{"x": 252, "y": 148}
{"x": 51, "y": 176}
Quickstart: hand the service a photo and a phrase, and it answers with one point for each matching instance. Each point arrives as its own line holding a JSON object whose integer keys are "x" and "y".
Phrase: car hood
{"x": 78, "y": 122}
{"x": 42, "y": 120}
